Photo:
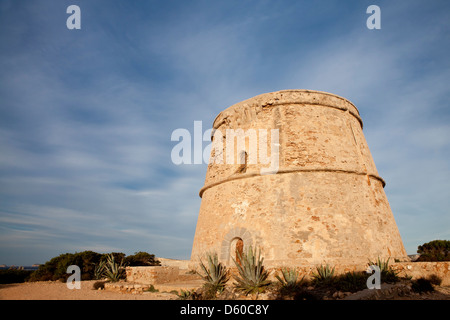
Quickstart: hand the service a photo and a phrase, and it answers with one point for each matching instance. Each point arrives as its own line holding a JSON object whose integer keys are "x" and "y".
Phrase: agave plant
{"x": 324, "y": 274}
{"x": 382, "y": 264}
{"x": 99, "y": 270}
{"x": 252, "y": 277}
{"x": 290, "y": 278}
{"x": 388, "y": 274}
{"x": 215, "y": 273}
{"x": 112, "y": 270}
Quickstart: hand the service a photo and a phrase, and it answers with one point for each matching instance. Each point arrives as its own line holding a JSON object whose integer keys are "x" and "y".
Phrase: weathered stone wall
{"x": 425, "y": 269}
{"x": 152, "y": 275}
{"x": 326, "y": 203}
{"x": 146, "y": 276}
{"x": 412, "y": 269}
{"x": 159, "y": 274}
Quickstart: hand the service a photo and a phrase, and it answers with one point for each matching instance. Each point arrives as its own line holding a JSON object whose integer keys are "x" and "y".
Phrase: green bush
{"x": 14, "y": 276}
{"x": 92, "y": 264}
{"x": 56, "y": 268}
{"x": 118, "y": 256}
{"x": 142, "y": 259}
{"x": 436, "y": 250}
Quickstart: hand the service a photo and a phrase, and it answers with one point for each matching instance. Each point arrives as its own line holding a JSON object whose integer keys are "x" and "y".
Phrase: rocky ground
{"x": 54, "y": 290}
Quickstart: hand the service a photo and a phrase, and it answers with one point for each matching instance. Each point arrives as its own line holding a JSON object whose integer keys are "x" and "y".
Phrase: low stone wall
{"x": 159, "y": 275}
{"x": 152, "y": 275}
{"x": 164, "y": 275}
{"x": 424, "y": 269}
{"x": 412, "y": 269}
{"x": 126, "y": 287}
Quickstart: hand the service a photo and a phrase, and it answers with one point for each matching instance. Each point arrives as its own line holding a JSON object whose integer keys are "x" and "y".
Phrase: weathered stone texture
{"x": 152, "y": 275}
{"x": 326, "y": 203}
{"x": 425, "y": 269}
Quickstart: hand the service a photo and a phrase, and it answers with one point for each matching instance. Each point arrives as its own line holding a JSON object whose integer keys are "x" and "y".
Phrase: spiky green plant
{"x": 382, "y": 264}
{"x": 214, "y": 273}
{"x": 112, "y": 270}
{"x": 99, "y": 270}
{"x": 290, "y": 278}
{"x": 252, "y": 277}
{"x": 388, "y": 274}
{"x": 323, "y": 275}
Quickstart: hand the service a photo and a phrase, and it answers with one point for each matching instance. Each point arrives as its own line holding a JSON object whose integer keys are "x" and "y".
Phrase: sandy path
{"x": 51, "y": 290}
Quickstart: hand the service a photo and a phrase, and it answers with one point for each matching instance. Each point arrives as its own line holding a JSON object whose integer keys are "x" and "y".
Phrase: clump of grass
{"x": 184, "y": 295}
{"x": 252, "y": 277}
{"x": 214, "y": 273}
{"x": 422, "y": 285}
{"x": 99, "y": 285}
{"x": 152, "y": 289}
{"x": 435, "y": 279}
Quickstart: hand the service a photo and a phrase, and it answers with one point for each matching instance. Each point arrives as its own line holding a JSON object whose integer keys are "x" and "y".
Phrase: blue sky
{"x": 86, "y": 115}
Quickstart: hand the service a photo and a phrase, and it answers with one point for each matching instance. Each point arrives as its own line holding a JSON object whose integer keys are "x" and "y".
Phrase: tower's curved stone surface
{"x": 324, "y": 203}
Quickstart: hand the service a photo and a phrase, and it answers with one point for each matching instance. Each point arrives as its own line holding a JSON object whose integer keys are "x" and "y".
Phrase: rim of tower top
{"x": 270, "y": 99}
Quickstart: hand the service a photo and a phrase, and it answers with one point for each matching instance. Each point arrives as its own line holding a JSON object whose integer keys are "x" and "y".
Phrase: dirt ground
{"x": 55, "y": 290}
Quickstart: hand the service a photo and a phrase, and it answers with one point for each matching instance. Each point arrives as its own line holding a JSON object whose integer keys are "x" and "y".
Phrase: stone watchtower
{"x": 321, "y": 202}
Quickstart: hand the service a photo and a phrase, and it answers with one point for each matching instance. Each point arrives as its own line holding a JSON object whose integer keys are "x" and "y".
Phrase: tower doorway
{"x": 237, "y": 249}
